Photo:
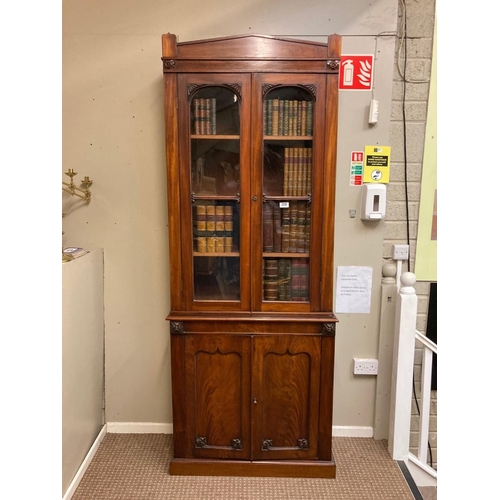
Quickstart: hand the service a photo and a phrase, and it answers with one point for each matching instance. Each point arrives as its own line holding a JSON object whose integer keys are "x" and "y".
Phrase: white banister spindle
{"x": 425, "y": 404}
{"x": 402, "y": 368}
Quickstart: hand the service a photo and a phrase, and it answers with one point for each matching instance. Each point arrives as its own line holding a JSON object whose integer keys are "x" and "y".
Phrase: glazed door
{"x": 214, "y": 158}
{"x": 285, "y": 392}
{"x": 287, "y": 189}
{"x": 218, "y": 396}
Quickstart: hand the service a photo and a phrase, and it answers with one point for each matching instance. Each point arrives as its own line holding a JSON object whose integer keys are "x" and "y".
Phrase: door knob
{"x": 254, "y": 401}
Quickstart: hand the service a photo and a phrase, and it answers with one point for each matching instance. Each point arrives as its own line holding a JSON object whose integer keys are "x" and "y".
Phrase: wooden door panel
{"x": 218, "y": 396}
{"x": 286, "y": 371}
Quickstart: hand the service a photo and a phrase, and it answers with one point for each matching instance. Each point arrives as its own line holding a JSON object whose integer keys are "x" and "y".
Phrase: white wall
{"x": 113, "y": 132}
{"x": 82, "y": 359}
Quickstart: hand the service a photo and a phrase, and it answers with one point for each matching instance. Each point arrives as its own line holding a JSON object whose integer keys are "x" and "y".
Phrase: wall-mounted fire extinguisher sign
{"x": 356, "y": 72}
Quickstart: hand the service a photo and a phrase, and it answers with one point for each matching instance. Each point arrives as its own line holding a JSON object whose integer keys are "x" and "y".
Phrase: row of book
{"x": 286, "y": 279}
{"x": 205, "y": 116}
{"x": 288, "y": 229}
{"x": 287, "y": 117}
{"x": 297, "y": 171}
{"x": 213, "y": 228}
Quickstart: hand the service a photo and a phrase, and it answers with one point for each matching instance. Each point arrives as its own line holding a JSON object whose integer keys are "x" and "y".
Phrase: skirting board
{"x": 139, "y": 428}
{"x": 352, "y": 431}
{"x": 157, "y": 428}
{"x": 86, "y": 461}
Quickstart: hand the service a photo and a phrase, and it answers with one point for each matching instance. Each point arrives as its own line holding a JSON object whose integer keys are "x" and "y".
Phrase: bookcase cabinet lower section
{"x": 252, "y": 394}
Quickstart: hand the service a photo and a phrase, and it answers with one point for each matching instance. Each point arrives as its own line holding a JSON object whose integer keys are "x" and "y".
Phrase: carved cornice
{"x": 177, "y": 328}
{"x": 234, "y": 87}
{"x": 329, "y": 328}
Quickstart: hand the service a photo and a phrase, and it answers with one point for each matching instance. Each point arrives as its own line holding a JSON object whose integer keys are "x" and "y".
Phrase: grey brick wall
{"x": 420, "y": 16}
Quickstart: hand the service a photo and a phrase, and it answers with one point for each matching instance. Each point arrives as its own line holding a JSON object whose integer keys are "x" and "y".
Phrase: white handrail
{"x": 425, "y": 395}
{"x": 426, "y": 341}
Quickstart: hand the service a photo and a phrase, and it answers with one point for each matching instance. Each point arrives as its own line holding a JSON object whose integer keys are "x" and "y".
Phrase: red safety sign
{"x": 356, "y": 72}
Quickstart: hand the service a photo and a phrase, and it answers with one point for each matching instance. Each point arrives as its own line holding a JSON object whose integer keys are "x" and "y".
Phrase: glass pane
{"x": 286, "y": 227}
{"x": 286, "y": 279}
{"x": 215, "y": 110}
{"x": 216, "y": 243}
{"x": 216, "y": 278}
{"x": 215, "y": 168}
{"x": 288, "y": 111}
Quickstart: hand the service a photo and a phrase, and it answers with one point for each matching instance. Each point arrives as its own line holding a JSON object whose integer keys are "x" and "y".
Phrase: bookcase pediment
{"x": 251, "y": 47}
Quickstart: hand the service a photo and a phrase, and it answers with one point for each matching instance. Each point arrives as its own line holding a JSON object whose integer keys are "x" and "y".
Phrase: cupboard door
{"x": 214, "y": 156}
{"x": 218, "y": 396}
{"x": 285, "y": 391}
{"x": 289, "y": 114}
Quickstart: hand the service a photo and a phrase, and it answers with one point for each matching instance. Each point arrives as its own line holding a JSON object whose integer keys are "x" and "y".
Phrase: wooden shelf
{"x": 288, "y": 137}
{"x": 216, "y": 254}
{"x": 214, "y": 136}
{"x": 285, "y": 255}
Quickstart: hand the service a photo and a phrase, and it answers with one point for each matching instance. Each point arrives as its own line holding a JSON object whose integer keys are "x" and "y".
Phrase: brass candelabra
{"x": 73, "y": 190}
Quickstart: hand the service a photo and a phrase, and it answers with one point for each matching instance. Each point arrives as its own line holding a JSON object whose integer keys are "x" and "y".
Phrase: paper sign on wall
{"x": 354, "y": 289}
{"x": 377, "y": 164}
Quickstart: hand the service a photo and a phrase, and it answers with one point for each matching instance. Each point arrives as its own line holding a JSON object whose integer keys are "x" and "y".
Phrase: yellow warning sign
{"x": 377, "y": 164}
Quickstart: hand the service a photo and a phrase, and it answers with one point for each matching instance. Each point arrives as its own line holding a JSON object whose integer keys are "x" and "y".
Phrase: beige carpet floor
{"x": 135, "y": 467}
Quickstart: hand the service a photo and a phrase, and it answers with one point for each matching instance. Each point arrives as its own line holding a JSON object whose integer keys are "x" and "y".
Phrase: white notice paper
{"x": 354, "y": 289}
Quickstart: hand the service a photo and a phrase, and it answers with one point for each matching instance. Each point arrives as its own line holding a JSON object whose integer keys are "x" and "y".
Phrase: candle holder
{"x": 73, "y": 190}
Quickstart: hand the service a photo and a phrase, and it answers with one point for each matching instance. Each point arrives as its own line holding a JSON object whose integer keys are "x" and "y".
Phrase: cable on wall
{"x": 403, "y": 43}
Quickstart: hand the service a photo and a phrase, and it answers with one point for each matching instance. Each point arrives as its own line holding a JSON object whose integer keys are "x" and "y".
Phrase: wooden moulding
{"x": 193, "y": 467}
{"x": 250, "y": 53}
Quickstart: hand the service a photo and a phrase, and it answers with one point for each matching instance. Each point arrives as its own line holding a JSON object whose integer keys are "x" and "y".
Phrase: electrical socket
{"x": 365, "y": 366}
{"x": 400, "y": 252}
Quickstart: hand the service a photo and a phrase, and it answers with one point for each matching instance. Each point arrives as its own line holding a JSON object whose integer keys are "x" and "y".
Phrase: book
{"x": 284, "y": 279}
{"x": 303, "y": 280}
{"x": 293, "y": 226}
{"x": 301, "y": 227}
{"x": 269, "y": 117}
{"x": 300, "y": 171}
{"x": 281, "y": 114}
{"x": 295, "y": 280}
{"x": 286, "y": 172}
{"x": 294, "y": 172}
{"x": 308, "y": 229}
{"x": 264, "y": 118}
{"x": 276, "y": 228}
{"x": 286, "y": 117}
{"x": 270, "y": 279}
{"x": 275, "y": 117}
{"x": 285, "y": 230}
{"x": 308, "y": 170}
{"x": 309, "y": 117}
{"x": 267, "y": 230}
{"x": 213, "y": 116}
{"x": 303, "y": 118}
{"x": 196, "y": 116}
{"x": 72, "y": 253}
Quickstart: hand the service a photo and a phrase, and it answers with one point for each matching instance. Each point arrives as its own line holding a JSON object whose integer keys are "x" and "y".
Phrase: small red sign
{"x": 356, "y": 72}
{"x": 357, "y": 156}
